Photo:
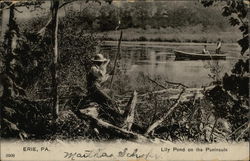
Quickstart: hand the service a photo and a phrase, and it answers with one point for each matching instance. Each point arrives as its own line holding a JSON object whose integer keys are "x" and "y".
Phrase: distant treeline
{"x": 172, "y": 21}
{"x": 146, "y": 15}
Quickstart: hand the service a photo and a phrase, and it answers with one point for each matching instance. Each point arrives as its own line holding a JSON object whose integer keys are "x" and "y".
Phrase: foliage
{"x": 167, "y": 14}
{"x": 238, "y": 81}
{"x": 27, "y": 119}
{"x": 33, "y": 60}
{"x": 23, "y": 117}
{"x": 107, "y": 19}
{"x": 70, "y": 127}
{"x": 236, "y": 10}
{"x": 31, "y": 4}
{"x": 219, "y": 99}
{"x": 75, "y": 45}
{"x": 34, "y": 57}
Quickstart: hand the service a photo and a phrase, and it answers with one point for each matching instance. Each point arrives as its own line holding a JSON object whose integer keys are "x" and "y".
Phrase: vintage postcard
{"x": 124, "y": 80}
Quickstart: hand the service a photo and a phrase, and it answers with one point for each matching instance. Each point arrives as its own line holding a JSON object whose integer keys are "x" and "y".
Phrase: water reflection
{"x": 160, "y": 61}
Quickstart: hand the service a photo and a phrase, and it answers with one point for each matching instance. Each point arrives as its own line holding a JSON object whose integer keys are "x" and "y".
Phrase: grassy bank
{"x": 191, "y": 34}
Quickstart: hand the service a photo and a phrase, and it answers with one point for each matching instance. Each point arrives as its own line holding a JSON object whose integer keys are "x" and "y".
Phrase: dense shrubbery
{"x": 29, "y": 115}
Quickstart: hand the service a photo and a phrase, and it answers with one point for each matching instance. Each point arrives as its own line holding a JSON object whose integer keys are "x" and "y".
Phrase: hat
{"x": 99, "y": 58}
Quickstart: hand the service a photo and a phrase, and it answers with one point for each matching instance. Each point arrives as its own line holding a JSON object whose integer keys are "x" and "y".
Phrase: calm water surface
{"x": 159, "y": 60}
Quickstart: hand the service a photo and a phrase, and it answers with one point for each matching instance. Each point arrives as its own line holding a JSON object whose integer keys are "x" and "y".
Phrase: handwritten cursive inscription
{"x": 100, "y": 153}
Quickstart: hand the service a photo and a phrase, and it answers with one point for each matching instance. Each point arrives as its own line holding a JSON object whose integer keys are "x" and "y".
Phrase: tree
{"x": 236, "y": 10}
{"x": 108, "y": 18}
{"x": 55, "y": 6}
{"x": 11, "y": 78}
{"x": 54, "y": 73}
{"x": 13, "y": 63}
{"x": 20, "y": 49}
{"x": 236, "y": 85}
{"x": 142, "y": 12}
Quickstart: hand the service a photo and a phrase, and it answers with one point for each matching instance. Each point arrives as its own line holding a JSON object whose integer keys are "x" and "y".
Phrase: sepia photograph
{"x": 124, "y": 79}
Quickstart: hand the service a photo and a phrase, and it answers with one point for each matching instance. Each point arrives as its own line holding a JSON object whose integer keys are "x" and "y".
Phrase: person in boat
{"x": 218, "y": 46}
{"x": 96, "y": 76}
{"x": 205, "y": 51}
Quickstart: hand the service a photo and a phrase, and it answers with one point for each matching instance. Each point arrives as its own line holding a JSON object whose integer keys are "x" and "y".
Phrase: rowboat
{"x": 182, "y": 55}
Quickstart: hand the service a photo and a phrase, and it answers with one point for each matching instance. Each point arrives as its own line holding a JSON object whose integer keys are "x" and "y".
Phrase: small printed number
{"x": 10, "y": 155}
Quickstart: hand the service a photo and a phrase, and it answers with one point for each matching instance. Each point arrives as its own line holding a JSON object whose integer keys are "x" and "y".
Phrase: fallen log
{"x": 174, "y": 91}
{"x": 91, "y": 114}
{"x": 130, "y": 113}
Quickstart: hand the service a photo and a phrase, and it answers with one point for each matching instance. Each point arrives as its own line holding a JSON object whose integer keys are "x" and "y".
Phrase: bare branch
{"x": 242, "y": 133}
{"x": 7, "y": 7}
{"x": 18, "y": 10}
{"x": 118, "y": 53}
{"x": 213, "y": 128}
{"x": 179, "y": 84}
{"x": 158, "y": 122}
{"x": 66, "y": 3}
{"x": 42, "y": 30}
{"x": 235, "y": 131}
{"x": 160, "y": 85}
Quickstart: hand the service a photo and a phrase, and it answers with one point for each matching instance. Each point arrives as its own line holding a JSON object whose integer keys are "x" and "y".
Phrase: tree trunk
{"x": 10, "y": 41}
{"x": 54, "y": 10}
{"x": 10, "y": 38}
{"x": 2, "y": 24}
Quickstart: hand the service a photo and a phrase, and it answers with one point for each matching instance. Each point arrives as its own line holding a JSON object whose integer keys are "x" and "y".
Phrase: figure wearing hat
{"x": 96, "y": 76}
{"x": 98, "y": 71}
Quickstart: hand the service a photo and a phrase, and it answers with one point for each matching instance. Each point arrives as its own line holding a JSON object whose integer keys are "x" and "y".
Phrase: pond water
{"x": 157, "y": 59}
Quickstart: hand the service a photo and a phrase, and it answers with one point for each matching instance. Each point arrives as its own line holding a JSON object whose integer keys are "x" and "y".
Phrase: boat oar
{"x": 210, "y": 55}
{"x": 116, "y": 57}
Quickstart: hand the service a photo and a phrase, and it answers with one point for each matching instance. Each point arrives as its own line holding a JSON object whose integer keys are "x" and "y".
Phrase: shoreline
{"x": 171, "y": 35}
{"x": 192, "y": 47}
{"x": 128, "y": 42}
